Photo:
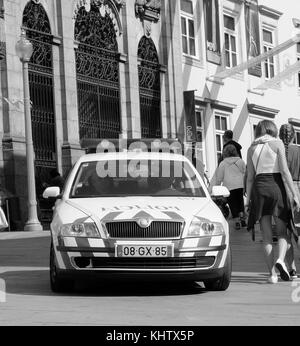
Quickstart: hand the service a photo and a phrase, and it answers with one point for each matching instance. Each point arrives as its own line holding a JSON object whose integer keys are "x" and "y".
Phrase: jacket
{"x": 231, "y": 173}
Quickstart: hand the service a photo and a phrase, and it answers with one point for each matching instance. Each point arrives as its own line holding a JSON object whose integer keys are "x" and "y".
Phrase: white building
{"x": 142, "y": 68}
{"x": 238, "y": 31}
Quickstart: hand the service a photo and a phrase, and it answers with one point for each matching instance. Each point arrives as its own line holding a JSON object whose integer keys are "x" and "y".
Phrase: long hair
{"x": 287, "y": 134}
{"x": 266, "y": 127}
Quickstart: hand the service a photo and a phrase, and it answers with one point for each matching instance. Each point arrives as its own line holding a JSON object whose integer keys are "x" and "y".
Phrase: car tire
{"x": 223, "y": 282}
{"x": 57, "y": 283}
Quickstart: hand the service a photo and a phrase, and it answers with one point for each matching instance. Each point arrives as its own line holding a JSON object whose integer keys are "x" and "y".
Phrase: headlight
{"x": 88, "y": 230}
{"x": 200, "y": 227}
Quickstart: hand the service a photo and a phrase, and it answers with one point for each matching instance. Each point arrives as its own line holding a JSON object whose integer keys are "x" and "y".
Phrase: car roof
{"x": 131, "y": 155}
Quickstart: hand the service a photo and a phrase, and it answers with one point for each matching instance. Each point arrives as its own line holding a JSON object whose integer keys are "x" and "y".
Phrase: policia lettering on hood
{"x": 138, "y": 207}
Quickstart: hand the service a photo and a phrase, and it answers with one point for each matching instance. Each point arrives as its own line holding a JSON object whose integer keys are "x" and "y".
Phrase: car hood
{"x": 162, "y": 208}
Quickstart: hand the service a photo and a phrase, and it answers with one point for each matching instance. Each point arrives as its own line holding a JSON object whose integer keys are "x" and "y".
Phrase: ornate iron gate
{"x": 38, "y": 31}
{"x": 149, "y": 81}
{"x": 97, "y": 74}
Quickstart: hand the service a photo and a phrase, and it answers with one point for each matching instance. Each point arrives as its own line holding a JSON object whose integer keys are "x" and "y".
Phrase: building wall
{"x": 61, "y": 15}
{"x": 178, "y": 73}
{"x": 239, "y": 90}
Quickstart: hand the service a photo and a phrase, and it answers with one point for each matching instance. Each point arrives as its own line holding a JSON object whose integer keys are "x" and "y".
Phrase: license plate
{"x": 145, "y": 251}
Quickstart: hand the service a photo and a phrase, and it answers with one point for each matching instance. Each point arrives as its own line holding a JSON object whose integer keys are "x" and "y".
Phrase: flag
{"x": 190, "y": 117}
{"x": 252, "y": 35}
{"x": 212, "y": 29}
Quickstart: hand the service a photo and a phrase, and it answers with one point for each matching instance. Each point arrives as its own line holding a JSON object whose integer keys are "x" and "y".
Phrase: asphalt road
{"x": 28, "y": 300}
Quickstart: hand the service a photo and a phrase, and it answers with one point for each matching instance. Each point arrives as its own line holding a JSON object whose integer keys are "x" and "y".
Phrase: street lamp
{"x": 24, "y": 51}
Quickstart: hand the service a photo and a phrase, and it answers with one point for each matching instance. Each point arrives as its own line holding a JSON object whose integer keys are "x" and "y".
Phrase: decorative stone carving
{"x": 118, "y": 4}
{"x": 148, "y": 9}
{"x": 147, "y": 28}
{"x": 110, "y": 7}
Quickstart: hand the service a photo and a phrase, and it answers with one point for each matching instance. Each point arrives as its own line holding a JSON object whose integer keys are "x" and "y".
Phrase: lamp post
{"x": 24, "y": 51}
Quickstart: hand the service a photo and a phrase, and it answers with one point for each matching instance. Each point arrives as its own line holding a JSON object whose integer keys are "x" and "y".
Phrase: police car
{"x": 138, "y": 214}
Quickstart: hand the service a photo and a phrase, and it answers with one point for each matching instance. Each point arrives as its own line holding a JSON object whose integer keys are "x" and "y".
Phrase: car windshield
{"x": 125, "y": 178}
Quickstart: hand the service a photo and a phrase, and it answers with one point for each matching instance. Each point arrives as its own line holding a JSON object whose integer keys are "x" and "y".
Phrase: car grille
{"x": 154, "y": 263}
{"x": 157, "y": 229}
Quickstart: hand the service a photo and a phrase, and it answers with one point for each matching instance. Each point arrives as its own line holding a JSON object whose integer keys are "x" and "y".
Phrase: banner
{"x": 212, "y": 29}
{"x": 252, "y": 34}
{"x": 190, "y": 117}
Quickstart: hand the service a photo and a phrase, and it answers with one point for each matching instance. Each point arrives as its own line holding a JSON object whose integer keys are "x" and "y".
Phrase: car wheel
{"x": 57, "y": 283}
{"x": 223, "y": 282}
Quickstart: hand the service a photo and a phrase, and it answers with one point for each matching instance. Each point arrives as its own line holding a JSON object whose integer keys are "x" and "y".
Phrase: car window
{"x": 120, "y": 178}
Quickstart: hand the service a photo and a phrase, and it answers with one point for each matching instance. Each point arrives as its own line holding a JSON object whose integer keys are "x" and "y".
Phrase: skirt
{"x": 268, "y": 197}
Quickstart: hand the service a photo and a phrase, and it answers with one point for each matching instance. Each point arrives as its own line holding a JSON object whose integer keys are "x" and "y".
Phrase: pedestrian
{"x": 287, "y": 135}
{"x": 3, "y": 220}
{"x": 56, "y": 179}
{"x": 228, "y": 140}
{"x": 39, "y": 189}
{"x": 266, "y": 194}
{"x": 231, "y": 173}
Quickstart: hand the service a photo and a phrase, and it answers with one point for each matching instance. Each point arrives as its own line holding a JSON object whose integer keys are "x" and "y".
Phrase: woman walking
{"x": 231, "y": 173}
{"x": 287, "y": 135}
{"x": 266, "y": 195}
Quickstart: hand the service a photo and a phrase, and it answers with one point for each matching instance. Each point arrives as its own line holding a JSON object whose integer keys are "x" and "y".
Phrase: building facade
{"x": 99, "y": 69}
{"x": 219, "y": 39}
{"x": 143, "y": 69}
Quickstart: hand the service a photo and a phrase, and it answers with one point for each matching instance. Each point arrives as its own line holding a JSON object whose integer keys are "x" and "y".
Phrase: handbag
{"x": 3, "y": 221}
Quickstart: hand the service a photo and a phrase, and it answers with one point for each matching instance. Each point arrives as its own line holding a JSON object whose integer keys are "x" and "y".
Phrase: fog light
{"x": 82, "y": 262}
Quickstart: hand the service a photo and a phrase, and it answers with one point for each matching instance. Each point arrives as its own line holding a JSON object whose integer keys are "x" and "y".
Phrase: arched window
{"x": 97, "y": 68}
{"x": 37, "y": 26}
{"x": 149, "y": 83}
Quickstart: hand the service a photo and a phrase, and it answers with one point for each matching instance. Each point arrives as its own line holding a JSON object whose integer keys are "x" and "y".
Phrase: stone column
{"x": 57, "y": 92}
{"x": 70, "y": 149}
{"x": 133, "y": 31}
{"x": 172, "y": 52}
{"x": 13, "y": 140}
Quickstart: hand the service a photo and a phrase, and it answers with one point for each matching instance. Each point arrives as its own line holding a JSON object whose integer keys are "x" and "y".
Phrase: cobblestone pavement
{"x": 27, "y": 299}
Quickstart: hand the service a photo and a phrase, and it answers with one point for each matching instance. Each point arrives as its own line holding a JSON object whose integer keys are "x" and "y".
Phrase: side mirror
{"x": 51, "y": 192}
{"x": 220, "y": 191}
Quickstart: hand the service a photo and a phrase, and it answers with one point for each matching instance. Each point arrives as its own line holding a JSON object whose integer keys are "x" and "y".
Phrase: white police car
{"x": 140, "y": 214}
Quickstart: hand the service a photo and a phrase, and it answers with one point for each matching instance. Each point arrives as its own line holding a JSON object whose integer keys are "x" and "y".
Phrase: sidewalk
{"x": 23, "y": 235}
{"x": 247, "y": 256}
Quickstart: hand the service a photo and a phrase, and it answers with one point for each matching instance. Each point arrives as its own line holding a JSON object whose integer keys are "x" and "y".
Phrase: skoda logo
{"x": 144, "y": 223}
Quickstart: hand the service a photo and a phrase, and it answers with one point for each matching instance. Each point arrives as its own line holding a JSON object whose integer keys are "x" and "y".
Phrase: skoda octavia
{"x": 138, "y": 214}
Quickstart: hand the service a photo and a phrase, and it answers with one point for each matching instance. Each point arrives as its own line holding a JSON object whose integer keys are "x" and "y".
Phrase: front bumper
{"x": 187, "y": 275}
{"x": 197, "y": 258}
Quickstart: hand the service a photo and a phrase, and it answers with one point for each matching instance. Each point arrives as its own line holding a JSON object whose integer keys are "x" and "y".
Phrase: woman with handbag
{"x": 267, "y": 171}
{"x": 287, "y": 135}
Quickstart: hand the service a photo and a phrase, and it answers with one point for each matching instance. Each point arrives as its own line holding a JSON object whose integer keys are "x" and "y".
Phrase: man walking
{"x": 228, "y": 139}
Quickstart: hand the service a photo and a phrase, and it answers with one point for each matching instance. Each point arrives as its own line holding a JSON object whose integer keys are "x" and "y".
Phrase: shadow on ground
{"x": 250, "y": 279}
{"x": 36, "y": 282}
{"x": 26, "y": 252}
